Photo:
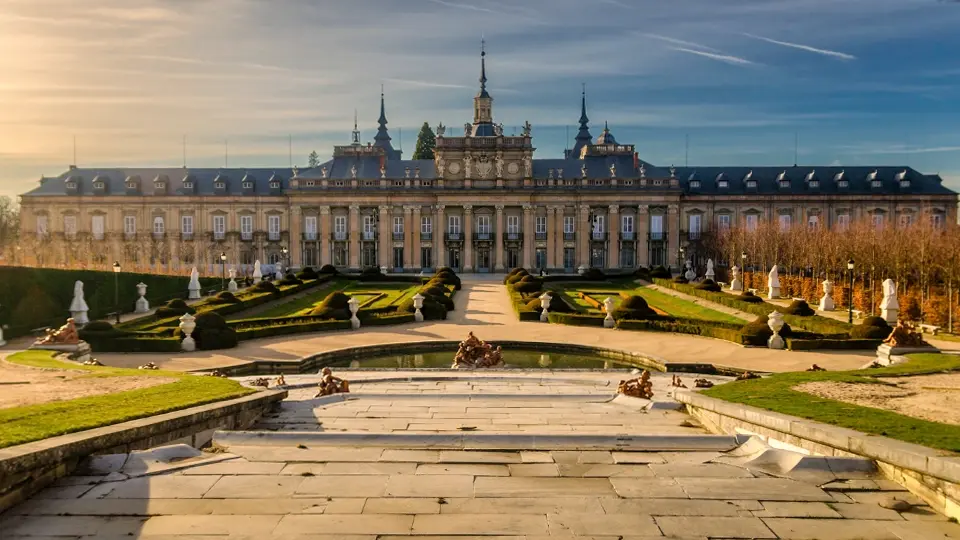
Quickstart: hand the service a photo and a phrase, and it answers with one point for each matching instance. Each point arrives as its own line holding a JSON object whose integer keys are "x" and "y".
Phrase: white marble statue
{"x": 890, "y": 306}
{"x": 78, "y": 307}
{"x": 441, "y": 129}
{"x": 826, "y": 302}
{"x": 441, "y": 165}
{"x": 466, "y": 129}
{"x": 194, "y": 286}
{"x": 613, "y": 170}
{"x": 278, "y": 274}
{"x": 527, "y": 167}
{"x": 499, "y": 164}
{"x": 710, "y": 273}
{"x": 353, "y": 172}
{"x": 736, "y": 284}
{"x": 466, "y": 166}
{"x": 773, "y": 283}
{"x": 257, "y": 274}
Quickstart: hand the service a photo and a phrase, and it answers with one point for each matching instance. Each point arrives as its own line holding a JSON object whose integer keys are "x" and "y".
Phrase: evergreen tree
{"x": 313, "y": 160}
{"x": 426, "y": 143}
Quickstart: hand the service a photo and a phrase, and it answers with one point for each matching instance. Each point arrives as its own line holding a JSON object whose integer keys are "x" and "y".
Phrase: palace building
{"x": 483, "y": 204}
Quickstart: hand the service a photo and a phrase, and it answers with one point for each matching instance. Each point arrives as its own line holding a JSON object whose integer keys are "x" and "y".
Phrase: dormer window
{"x": 220, "y": 185}
{"x": 694, "y": 184}
{"x": 131, "y": 185}
{"x": 749, "y": 181}
{"x": 902, "y": 178}
{"x": 722, "y": 181}
{"x": 812, "y": 180}
{"x": 874, "y": 181}
{"x": 274, "y": 184}
{"x": 70, "y": 184}
{"x": 782, "y": 180}
{"x": 188, "y": 185}
{"x": 248, "y": 185}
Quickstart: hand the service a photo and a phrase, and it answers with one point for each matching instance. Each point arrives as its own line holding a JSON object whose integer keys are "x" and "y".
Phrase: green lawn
{"x": 776, "y": 393}
{"x": 678, "y": 307}
{"x": 19, "y": 425}
{"x": 388, "y": 294}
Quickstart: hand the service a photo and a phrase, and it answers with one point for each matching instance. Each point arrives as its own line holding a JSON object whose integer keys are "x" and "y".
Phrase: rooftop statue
{"x": 527, "y": 128}
{"x": 441, "y": 129}
{"x": 474, "y": 353}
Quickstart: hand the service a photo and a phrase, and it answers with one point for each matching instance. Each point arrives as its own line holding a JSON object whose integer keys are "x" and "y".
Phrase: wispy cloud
{"x": 808, "y": 48}
{"x": 469, "y": 7}
{"x": 912, "y": 150}
{"x": 681, "y": 42}
{"x": 428, "y": 84}
{"x": 618, "y": 4}
{"x": 730, "y": 59}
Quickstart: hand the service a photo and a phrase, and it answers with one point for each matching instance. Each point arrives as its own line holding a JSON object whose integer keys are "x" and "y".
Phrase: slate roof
{"x": 203, "y": 179}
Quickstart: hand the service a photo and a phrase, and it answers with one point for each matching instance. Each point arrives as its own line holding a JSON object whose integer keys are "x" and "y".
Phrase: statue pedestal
{"x": 890, "y": 315}
{"x": 826, "y": 303}
{"x": 142, "y": 305}
{"x": 232, "y": 286}
{"x": 78, "y": 352}
{"x": 736, "y": 285}
{"x": 194, "y": 294}
{"x": 888, "y": 356}
{"x": 773, "y": 293}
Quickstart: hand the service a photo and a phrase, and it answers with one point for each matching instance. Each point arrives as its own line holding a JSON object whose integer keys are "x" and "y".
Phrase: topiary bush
{"x": 680, "y": 279}
{"x": 328, "y": 269}
{"x": 642, "y": 273}
{"x": 212, "y": 332}
{"x": 290, "y": 279}
{"x": 516, "y": 271}
{"x": 661, "y": 273}
{"x": 97, "y": 326}
{"x": 799, "y": 307}
{"x": 758, "y": 332}
{"x": 335, "y": 306}
{"x": 447, "y": 277}
{"x": 557, "y": 305}
{"x": 438, "y": 293}
{"x": 173, "y": 308}
{"x": 633, "y": 308}
{"x": 594, "y": 274}
{"x": 528, "y": 285}
{"x": 750, "y": 298}
{"x": 516, "y": 278}
{"x": 871, "y": 328}
{"x": 266, "y": 286}
{"x": 308, "y": 273}
{"x": 225, "y": 297}
{"x": 708, "y": 285}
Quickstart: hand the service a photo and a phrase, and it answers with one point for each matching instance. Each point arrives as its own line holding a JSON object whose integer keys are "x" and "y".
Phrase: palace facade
{"x": 483, "y": 204}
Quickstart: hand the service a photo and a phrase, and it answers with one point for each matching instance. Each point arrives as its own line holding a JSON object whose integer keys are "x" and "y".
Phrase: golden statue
{"x": 641, "y": 387}
{"x": 474, "y": 353}
{"x": 330, "y": 385}
{"x": 65, "y": 335}
{"x": 905, "y": 335}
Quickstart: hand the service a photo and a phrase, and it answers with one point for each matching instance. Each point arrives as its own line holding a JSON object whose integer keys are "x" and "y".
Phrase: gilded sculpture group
{"x": 474, "y": 353}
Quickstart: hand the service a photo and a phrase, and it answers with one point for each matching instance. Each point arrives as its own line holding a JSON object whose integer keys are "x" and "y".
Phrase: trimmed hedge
{"x": 225, "y": 297}
{"x": 212, "y": 332}
{"x": 266, "y": 286}
{"x": 633, "y": 308}
{"x": 335, "y": 306}
{"x": 750, "y": 298}
{"x": 875, "y": 328}
{"x": 660, "y": 272}
{"x": 173, "y": 308}
{"x": 307, "y": 273}
{"x": 432, "y": 310}
{"x": 699, "y": 328}
{"x": 557, "y": 305}
{"x": 281, "y": 327}
{"x": 576, "y": 319}
{"x": 39, "y": 297}
{"x": 758, "y": 332}
{"x": 708, "y": 285}
{"x": 795, "y": 344}
{"x": 800, "y": 308}
{"x": 329, "y": 269}
{"x": 103, "y": 337}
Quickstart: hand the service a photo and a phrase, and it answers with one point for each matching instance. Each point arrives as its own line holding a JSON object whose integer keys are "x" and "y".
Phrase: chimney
{"x": 636, "y": 160}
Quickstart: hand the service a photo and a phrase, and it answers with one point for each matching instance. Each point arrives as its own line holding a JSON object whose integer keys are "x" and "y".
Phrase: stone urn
{"x": 278, "y": 274}
{"x": 545, "y": 299}
{"x": 142, "y": 305}
{"x": 775, "y": 322}
{"x": 232, "y": 286}
{"x": 582, "y": 269}
{"x": 383, "y": 269}
{"x": 608, "y": 321}
{"x": 354, "y": 308}
{"x": 187, "y": 325}
{"x": 736, "y": 284}
{"x": 417, "y": 305}
{"x": 690, "y": 273}
{"x": 826, "y": 303}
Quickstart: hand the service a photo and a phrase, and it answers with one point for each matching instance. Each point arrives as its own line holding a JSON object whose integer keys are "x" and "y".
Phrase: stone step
{"x": 485, "y": 441}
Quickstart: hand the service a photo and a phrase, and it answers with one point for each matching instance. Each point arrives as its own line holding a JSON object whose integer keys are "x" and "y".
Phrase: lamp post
{"x": 116, "y": 289}
{"x": 286, "y": 257}
{"x": 850, "y": 296}
{"x": 680, "y": 253}
{"x": 223, "y": 270}
{"x": 743, "y": 269}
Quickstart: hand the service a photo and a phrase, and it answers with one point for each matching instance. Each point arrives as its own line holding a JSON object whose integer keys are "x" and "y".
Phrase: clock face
{"x": 513, "y": 168}
{"x": 454, "y": 167}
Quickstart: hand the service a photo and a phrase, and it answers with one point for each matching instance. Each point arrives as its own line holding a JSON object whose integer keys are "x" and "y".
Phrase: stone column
{"x": 407, "y": 237}
{"x": 498, "y": 239}
{"x": 385, "y": 244}
{"x": 583, "y": 236}
{"x": 643, "y": 235}
{"x": 557, "y": 240}
{"x": 613, "y": 237}
{"x": 354, "y": 225}
{"x": 528, "y": 237}
{"x": 468, "y": 238}
{"x": 439, "y": 229}
{"x": 296, "y": 235}
{"x": 673, "y": 231}
{"x": 551, "y": 234}
{"x": 325, "y": 230}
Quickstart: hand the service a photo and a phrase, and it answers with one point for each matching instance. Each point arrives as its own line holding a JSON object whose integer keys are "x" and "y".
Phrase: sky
{"x": 746, "y": 82}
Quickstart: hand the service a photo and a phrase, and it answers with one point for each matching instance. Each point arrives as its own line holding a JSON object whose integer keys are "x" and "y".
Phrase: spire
{"x": 356, "y": 131}
{"x": 483, "y": 70}
{"x": 583, "y": 137}
{"x": 382, "y": 138}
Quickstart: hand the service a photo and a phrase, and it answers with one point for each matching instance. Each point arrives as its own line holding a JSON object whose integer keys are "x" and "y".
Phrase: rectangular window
{"x": 246, "y": 227}
{"x": 905, "y": 220}
{"x": 599, "y": 223}
{"x": 426, "y": 225}
{"x": 752, "y": 221}
{"x": 398, "y": 225}
{"x": 340, "y": 225}
{"x": 723, "y": 221}
{"x": 310, "y": 227}
{"x": 628, "y": 258}
{"x": 540, "y": 257}
{"x": 695, "y": 221}
{"x": 569, "y": 256}
{"x": 483, "y": 224}
{"x": 568, "y": 224}
{"x": 540, "y": 225}
{"x": 785, "y": 222}
{"x": 97, "y": 226}
{"x": 186, "y": 224}
{"x": 513, "y": 224}
{"x": 656, "y": 225}
{"x": 936, "y": 220}
{"x": 219, "y": 226}
{"x": 41, "y": 225}
{"x": 273, "y": 227}
{"x": 878, "y": 220}
{"x": 70, "y": 225}
{"x": 426, "y": 257}
{"x": 453, "y": 224}
{"x": 159, "y": 227}
{"x": 369, "y": 227}
{"x": 129, "y": 224}
{"x": 843, "y": 221}
{"x": 813, "y": 222}
{"x": 398, "y": 257}
{"x": 626, "y": 224}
